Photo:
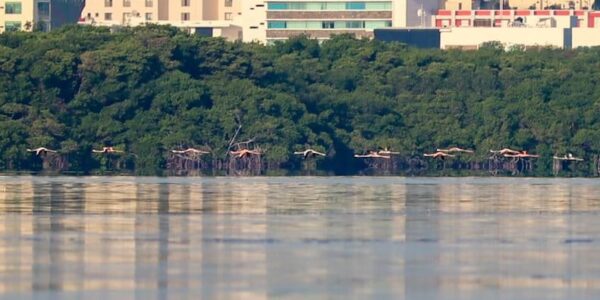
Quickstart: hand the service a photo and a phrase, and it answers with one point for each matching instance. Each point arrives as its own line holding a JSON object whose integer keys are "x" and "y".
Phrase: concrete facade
{"x": 473, "y": 37}
{"x": 530, "y": 28}
{"x": 545, "y": 4}
{"x": 585, "y": 37}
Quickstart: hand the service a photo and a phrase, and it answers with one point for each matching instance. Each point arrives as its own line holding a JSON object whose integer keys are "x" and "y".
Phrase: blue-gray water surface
{"x": 299, "y": 238}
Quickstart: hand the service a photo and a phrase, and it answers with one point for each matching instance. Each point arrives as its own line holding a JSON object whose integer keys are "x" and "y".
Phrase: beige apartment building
{"x": 207, "y": 17}
{"x": 123, "y": 12}
{"x": 265, "y": 20}
{"x": 24, "y": 15}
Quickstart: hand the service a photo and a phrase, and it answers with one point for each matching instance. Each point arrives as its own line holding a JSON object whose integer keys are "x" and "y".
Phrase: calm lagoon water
{"x": 299, "y": 238}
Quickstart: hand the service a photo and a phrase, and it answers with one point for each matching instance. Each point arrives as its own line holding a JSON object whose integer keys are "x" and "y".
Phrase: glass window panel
{"x": 276, "y": 24}
{"x": 314, "y": 25}
{"x": 355, "y": 6}
{"x": 297, "y": 6}
{"x": 277, "y": 6}
{"x": 314, "y": 6}
{"x": 12, "y": 26}
{"x": 296, "y": 25}
{"x": 13, "y": 8}
{"x": 355, "y": 24}
{"x": 43, "y": 9}
{"x": 335, "y": 6}
{"x": 327, "y": 25}
{"x": 377, "y": 24}
{"x": 378, "y": 6}
{"x": 339, "y": 24}
{"x": 332, "y": 6}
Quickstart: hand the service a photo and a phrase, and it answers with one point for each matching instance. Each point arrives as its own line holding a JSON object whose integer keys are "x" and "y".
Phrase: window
{"x": 13, "y": 8}
{"x": 355, "y": 24}
{"x": 377, "y": 24}
{"x": 482, "y": 23}
{"x": 126, "y": 3}
{"x": 378, "y": 6}
{"x": 355, "y": 6}
{"x": 328, "y": 25}
{"x": 228, "y": 16}
{"x": 185, "y": 16}
{"x": 108, "y": 3}
{"x": 228, "y": 3}
{"x": 334, "y": 6}
{"x": 12, "y": 26}
{"x": 185, "y": 3}
{"x": 276, "y": 25}
{"x": 126, "y": 17}
{"x": 148, "y": 16}
{"x": 297, "y": 6}
{"x": 149, "y": 3}
{"x": 43, "y": 9}
{"x": 108, "y": 16}
{"x": 42, "y": 26}
{"x": 330, "y": 6}
{"x": 277, "y": 6}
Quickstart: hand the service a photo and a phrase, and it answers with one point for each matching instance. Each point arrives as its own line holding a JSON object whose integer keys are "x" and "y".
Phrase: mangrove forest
{"x": 132, "y": 100}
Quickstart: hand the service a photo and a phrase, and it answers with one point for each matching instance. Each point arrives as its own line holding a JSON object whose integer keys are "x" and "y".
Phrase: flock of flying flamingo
{"x": 311, "y": 153}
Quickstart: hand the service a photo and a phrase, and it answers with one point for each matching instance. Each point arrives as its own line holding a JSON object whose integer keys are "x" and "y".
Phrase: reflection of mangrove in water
{"x": 251, "y": 237}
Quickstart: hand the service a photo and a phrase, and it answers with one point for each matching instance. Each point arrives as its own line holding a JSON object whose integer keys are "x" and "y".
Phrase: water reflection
{"x": 256, "y": 238}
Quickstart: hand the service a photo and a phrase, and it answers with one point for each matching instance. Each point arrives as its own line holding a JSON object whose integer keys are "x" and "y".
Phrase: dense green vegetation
{"x": 148, "y": 90}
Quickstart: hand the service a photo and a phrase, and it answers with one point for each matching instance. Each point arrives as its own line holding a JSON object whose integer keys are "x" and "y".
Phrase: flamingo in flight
{"x": 41, "y": 150}
{"x": 309, "y": 153}
{"x": 569, "y": 157}
{"x": 439, "y": 154}
{"x": 245, "y": 153}
{"x": 387, "y": 152}
{"x": 372, "y": 154}
{"x": 107, "y": 150}
{"x": 456, "y": 149}
{"x": 522, "y": 154}
{"x": 506, "y": 151}
{"x": 190, "y": 151}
